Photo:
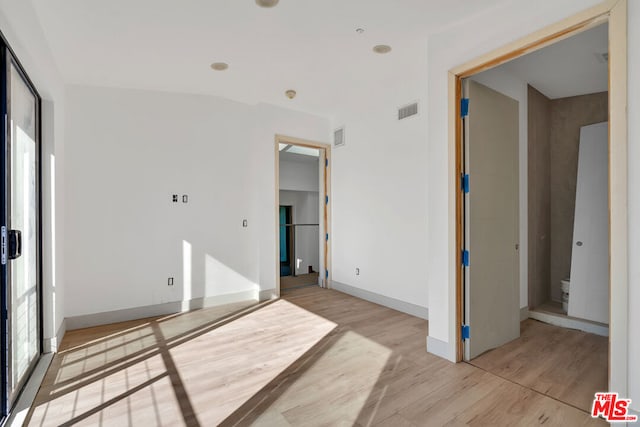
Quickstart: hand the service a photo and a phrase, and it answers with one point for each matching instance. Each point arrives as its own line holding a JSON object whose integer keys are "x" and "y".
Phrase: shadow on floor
{"x": 315, "y": 357}
{"x": 92, "y": 358}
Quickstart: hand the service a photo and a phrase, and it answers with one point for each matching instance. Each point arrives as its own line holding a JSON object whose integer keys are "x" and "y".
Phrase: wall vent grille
{"x": 407, "y": 111}
{"x": 338, "y": 137}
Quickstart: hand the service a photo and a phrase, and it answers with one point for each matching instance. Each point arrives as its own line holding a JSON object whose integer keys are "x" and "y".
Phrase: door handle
{"x": 15, "y": 244}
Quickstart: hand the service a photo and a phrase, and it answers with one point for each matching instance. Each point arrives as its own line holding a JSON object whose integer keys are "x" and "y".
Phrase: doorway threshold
{"x": 18, "y": 416}
{"x": 549, "y": 313}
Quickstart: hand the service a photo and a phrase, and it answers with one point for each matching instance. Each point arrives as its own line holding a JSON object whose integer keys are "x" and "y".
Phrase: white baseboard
{"x": 405, "y": 307}
{"x": 50, "y": 345}
{"x": 267, "y": 294}
{"x": 105, "y": 318}
{"x": 524, "y": 313}
{"x": 441, "y": 349}
{"x": 570, "y": 322}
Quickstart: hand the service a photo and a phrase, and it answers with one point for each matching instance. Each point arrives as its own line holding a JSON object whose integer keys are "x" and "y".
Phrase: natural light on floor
{"x": 195, "y": 369}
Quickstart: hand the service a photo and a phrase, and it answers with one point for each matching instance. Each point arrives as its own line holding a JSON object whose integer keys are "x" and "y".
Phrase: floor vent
{"x": 407, "y": 111}
{"x": 338, "y": 137}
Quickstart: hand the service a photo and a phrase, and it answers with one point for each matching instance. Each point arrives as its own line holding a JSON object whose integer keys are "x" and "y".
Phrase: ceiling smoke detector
{"x": 219, "y": 66}
{"x": 291, "y": 93}
{"x": 382, "y": 48}
{"x": 267, "y": 3}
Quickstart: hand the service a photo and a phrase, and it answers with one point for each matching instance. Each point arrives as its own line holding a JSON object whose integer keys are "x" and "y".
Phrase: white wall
{"x": 128, "y": 151}
{"x": 19, "y": 24}
{"x": 504, "y": 82}
{"x": 379, "y": 185}
{"x": 634, "y": 202}
{"x": 305, "y": 209}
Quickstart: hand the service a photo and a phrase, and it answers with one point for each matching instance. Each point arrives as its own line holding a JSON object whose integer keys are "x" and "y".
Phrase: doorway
{"x": 302, "y": 203}
{"x": 562, "y": 188}
{"x": 615, "y": 243}
{"x": 287, "y": 266}
{"x": 536, "y": 138}
{"x": 20, "y": 229}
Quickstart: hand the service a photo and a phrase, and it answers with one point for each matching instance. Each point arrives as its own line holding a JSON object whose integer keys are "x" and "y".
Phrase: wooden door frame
{"x": 615, "y": 13}
{"x": 325, "y": 190}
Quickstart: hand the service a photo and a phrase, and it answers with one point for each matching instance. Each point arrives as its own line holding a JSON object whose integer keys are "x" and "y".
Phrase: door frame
{"x": 615, "y": 13}
{"x": 324, "y": 178}
{"x": 7, "y": 57}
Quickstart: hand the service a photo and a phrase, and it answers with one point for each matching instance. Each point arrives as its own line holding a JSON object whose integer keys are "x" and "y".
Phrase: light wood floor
{"x": 551, "y": 307}
{"x": 565, "y": 364}
{"x": 290, "y": 282}
{"x": 315, "y": 357}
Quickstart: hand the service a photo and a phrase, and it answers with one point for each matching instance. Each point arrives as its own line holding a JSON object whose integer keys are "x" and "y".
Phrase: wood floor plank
{"x": 291, "y": 282}
{"x": 314, "y": 358}
{"x": 568, "y": 365}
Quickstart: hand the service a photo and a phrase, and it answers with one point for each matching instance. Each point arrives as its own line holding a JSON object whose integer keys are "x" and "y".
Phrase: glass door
{"x": 20, "y": 231}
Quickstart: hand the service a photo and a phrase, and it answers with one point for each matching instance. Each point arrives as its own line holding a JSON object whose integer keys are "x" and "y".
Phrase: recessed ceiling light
{"x": 219, "y": 66}
{"x": 382, "y": 48}
{"x": 267, "y": 3}
{"x": 359, "y": 30}
{"x": 291, "y": 93}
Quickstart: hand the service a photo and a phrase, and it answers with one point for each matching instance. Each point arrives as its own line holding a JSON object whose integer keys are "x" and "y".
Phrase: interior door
{"x": 20, "y": 231}
{"x": 491, "y": 220}
{"x": 589, "y": 293}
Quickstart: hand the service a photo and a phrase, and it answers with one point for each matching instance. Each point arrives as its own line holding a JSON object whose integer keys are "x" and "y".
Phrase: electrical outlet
{"x": 170, "y": 281}
{"x": 245, "y": 224}
{"x": 185, "y": 198}
{"x": 357, "y": 271}
{"x": 174, "y": 198}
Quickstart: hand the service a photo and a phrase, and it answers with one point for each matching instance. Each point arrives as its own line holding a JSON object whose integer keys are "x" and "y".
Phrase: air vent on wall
{"x": 338, "y": 137}
{"x": 407, "y": 111}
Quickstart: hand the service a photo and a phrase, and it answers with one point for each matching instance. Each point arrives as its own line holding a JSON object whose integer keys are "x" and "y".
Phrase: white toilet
{"x": 565, "y": 286}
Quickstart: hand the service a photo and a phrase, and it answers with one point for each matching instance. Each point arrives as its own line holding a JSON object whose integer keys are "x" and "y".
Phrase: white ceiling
{"x": 309, "y": 46}
{"x": 298, "y": 149}
{"x": 568, "y": 68}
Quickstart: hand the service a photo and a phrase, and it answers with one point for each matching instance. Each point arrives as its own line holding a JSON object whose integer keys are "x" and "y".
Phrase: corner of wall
{"x": 51, "y": 345}
{"x": 441, "y": 349}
